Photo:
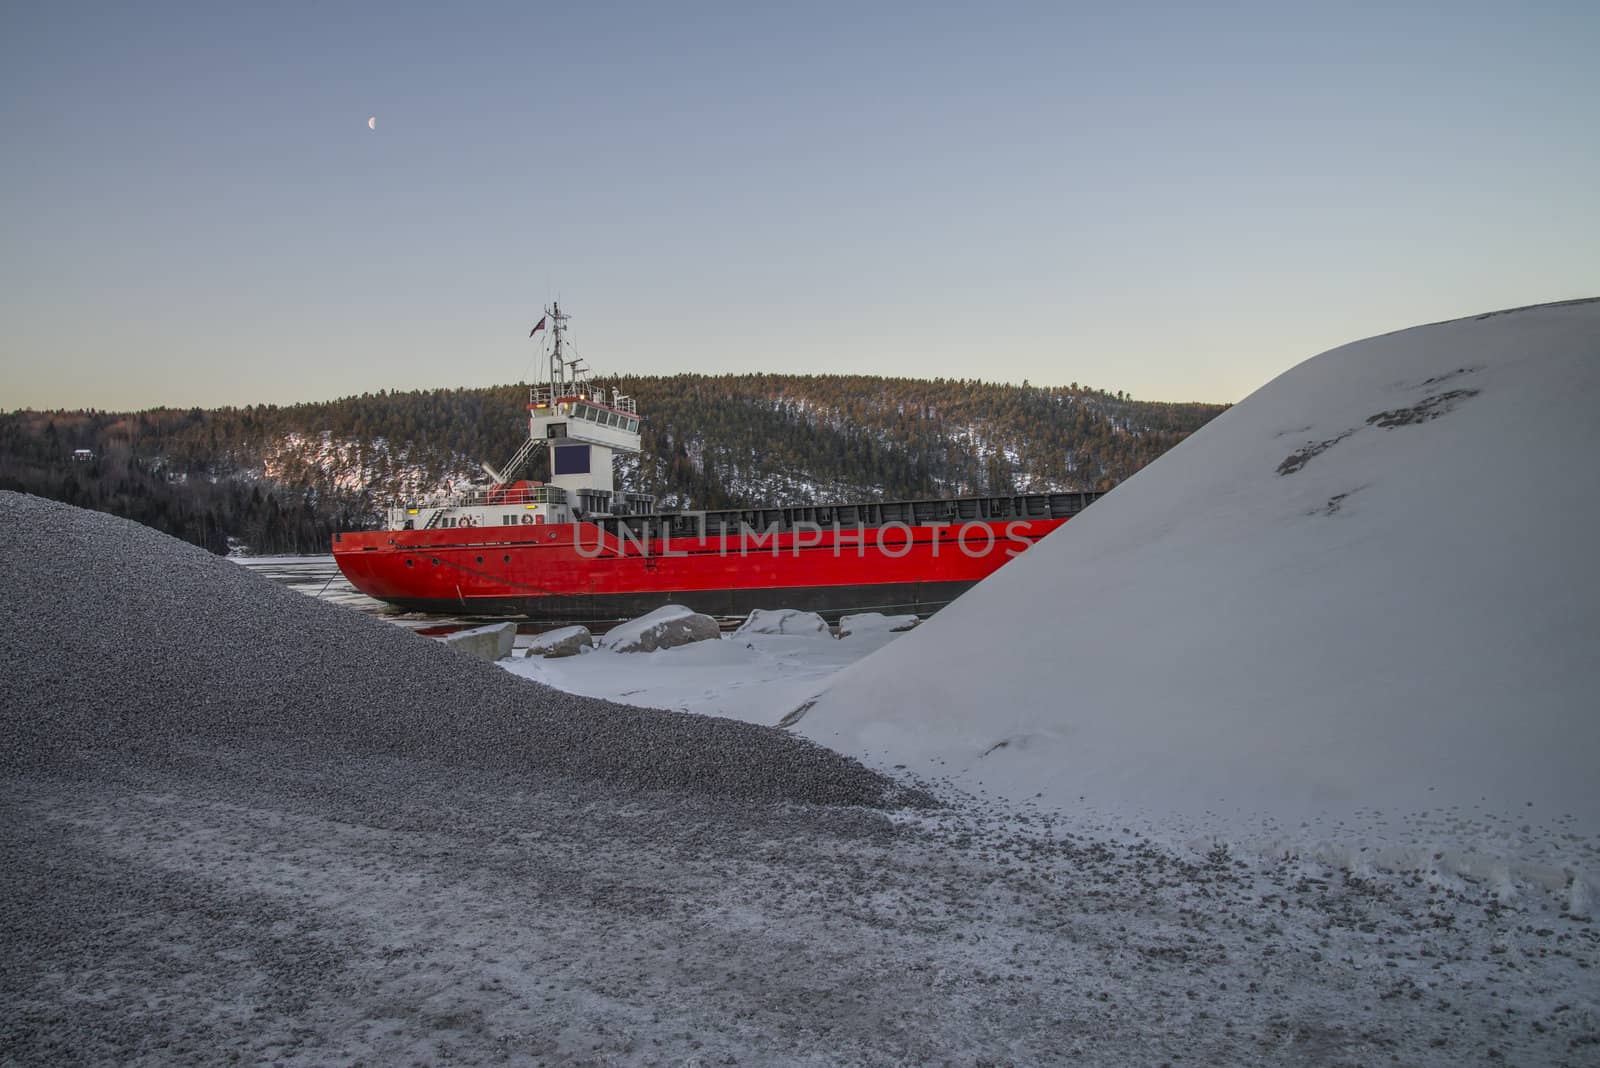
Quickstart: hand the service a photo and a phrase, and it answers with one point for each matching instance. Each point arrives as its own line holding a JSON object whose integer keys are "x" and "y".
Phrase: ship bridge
{"x": 583, "y": 425}
{"x": 584, "y": 429}
{"x": 591, "y": 418}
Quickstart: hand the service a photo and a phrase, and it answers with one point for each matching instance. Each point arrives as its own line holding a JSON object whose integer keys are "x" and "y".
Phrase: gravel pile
{"x": 123, "y": 645}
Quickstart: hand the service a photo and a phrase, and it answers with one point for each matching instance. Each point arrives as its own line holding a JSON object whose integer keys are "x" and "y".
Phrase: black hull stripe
{"x": 831, "y": 602}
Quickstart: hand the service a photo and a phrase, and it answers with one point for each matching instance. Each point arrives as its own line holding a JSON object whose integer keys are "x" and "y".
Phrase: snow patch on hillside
{"x": 353, "y": 466}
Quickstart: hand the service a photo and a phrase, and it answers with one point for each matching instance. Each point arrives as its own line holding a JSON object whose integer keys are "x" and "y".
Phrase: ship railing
{"x": 547, "y": 395}
{"x": 494, "y": 497}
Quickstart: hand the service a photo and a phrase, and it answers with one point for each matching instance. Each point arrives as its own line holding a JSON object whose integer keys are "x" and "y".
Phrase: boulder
{"x": 788, "y": 621}
{"x": 489, "y": 643}
{"x": 667, "y": 626}
{"x": 874, "y": 623}
{"x": 565, "y": 641}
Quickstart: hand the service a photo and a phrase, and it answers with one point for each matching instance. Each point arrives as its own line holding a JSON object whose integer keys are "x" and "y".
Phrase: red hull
{"x": 577, "y": 571}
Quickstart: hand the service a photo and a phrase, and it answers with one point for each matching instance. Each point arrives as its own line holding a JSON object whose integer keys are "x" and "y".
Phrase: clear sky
{"x": 1177, "y": 200}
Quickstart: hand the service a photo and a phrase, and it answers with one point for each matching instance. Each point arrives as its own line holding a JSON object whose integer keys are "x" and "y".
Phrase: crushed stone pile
{"x": 124, "y": 645}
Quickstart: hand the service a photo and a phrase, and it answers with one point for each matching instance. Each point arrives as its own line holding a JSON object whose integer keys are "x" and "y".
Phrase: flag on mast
{"x": 538, "y": 326}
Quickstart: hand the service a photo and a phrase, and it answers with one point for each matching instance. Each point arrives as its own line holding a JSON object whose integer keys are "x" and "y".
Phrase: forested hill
{"x": 281, "y": 479}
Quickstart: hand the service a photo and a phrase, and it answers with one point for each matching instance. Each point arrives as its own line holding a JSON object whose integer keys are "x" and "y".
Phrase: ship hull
{"x": 581, "y": 572}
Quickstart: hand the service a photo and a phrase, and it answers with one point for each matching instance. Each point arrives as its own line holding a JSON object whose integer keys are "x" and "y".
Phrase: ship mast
{"x": 584, "y": 429}
{"x": 557, "y": 328}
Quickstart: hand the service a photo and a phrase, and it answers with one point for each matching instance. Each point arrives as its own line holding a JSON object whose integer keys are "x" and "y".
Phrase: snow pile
{"x": 790, "y": 621}
{"x": 666, "y": 627}
{"x": 1358, "y": 612}
{"x": 873, "y": 623}
{"x": 563, "y": 641}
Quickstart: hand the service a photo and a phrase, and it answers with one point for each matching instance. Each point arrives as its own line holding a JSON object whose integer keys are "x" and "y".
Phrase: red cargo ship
{"x": 576, "y": 549}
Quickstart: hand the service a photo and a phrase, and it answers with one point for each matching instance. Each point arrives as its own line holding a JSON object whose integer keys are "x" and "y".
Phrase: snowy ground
{"x": 757, "y": 678}
{"x": 402, "y": 912}
{"x": 1299, "y": 959}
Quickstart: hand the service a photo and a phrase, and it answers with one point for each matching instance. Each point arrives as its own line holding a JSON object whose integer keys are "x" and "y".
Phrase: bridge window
{"x": 572, "y": 460}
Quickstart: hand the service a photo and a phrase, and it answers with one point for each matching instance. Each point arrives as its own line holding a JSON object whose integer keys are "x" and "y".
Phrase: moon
{"x": 372, "y": 122}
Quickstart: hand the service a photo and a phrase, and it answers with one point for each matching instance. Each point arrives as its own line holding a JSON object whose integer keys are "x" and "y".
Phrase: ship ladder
{"x": 509, "y": 474}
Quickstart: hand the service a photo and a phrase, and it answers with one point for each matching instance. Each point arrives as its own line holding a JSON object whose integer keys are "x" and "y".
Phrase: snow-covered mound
{"x": 668, "y": 626}
{"x": 783, "y": 621}
{"x": 561, "y": 642}
{"x": 1367, "y": 597}
{"x": 863, "y": 623}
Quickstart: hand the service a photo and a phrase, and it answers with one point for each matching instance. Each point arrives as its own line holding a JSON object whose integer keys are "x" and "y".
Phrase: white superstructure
{"x": 581, "y": 425}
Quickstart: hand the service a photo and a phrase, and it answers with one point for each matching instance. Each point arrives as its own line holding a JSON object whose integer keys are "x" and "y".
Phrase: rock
{"x": 489, "y": 643}
{"x": 668, "y": 626}
{"x": 874, "y": 623}
{"x": 788, "y": 621}
{"x": 565, "y": 641}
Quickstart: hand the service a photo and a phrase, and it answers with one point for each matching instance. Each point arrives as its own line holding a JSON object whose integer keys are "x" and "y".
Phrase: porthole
{"x": 480, "y": 559}
{"x": 508, "y": 558}
{"x": 410, "y": 563}
{"x": 435, "y": 561}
